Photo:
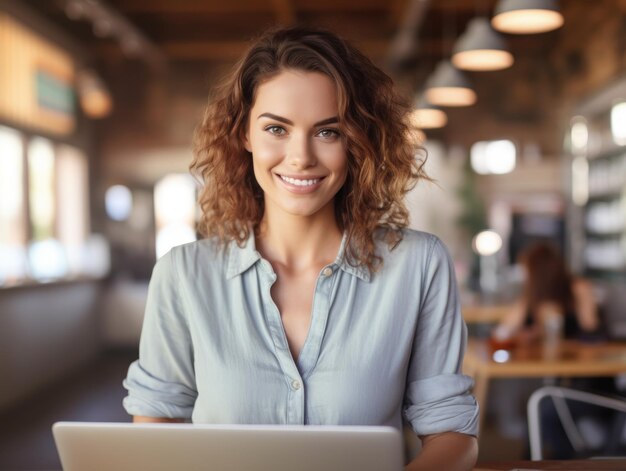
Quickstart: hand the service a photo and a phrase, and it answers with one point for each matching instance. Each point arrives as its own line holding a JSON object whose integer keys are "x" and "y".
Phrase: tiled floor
{"x": 95, "y": 395}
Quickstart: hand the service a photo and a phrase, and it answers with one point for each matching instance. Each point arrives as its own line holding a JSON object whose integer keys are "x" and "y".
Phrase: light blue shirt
{"x": 213, "y": 348}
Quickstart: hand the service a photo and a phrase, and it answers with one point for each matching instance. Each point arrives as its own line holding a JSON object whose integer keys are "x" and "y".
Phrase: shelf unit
{"x": 597, "y": 242}
{"x": 605, "y": 214}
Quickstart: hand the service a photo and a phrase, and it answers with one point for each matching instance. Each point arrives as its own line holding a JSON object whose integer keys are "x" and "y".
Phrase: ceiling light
{"x": 95, "y": 99}
{"x": 527, "y": 16}
{"x": 481, "y": 48}
{"x": 448, "y": 86}
{"x": 428, "y": 116}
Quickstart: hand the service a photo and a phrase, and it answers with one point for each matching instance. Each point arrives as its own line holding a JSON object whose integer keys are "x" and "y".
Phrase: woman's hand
{"x": 451, "y": 451}
{"x": 140, "y": 419}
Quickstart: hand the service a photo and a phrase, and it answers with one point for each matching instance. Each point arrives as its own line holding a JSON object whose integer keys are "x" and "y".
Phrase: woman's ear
{"x": 246, "y": 141}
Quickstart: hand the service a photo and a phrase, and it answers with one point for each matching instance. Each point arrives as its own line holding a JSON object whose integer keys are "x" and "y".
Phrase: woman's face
{"x": 298, "y": 152}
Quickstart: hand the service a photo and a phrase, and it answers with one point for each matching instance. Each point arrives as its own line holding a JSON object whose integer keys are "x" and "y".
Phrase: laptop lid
{"x": 159, "y": 447}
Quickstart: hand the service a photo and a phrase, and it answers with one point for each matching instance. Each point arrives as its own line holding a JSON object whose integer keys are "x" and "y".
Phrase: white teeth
{"x": 295, "y": 181}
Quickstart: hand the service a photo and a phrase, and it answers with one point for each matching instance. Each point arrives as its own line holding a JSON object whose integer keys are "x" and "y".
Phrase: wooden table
{"x": 575, "y": 465}
{"x": 484, "y": 313}
{"x": 568, "y": 358}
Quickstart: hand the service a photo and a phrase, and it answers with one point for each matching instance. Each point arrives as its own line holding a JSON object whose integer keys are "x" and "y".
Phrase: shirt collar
{"x": 240, "y": 259}
{"x": 342, "y": 262}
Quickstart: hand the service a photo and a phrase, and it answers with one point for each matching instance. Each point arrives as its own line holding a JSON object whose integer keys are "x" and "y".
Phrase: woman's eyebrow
{"x": 332, "y": 120}
{"x": 276, "y": 117}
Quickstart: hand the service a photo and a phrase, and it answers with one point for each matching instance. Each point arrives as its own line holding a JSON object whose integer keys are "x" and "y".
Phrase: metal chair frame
{"x": 559, "y": 396}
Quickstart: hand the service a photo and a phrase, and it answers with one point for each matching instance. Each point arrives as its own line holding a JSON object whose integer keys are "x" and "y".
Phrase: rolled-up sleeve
{"x": 437, "y": 397}
{"x": 162, "y": 382}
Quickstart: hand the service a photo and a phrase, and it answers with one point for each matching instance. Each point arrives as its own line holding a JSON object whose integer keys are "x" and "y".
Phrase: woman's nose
{"x": 299, "y": 152}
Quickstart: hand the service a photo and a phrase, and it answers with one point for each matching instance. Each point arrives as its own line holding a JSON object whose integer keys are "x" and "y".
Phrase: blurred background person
{"x": 554, "y": 303}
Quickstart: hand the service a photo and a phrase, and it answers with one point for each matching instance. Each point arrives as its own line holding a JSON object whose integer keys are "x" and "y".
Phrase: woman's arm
{"x": 513, "y": 321}
{"x": 438, "y": 402}
{"x": 585, "y": 304}
{"x": 450, "y": 451}
{"x": 141, "y": 419}
{"x": 162, "y": 383}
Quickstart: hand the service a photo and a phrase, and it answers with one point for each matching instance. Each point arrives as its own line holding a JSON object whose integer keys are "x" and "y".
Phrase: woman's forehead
{"x": 297, "y": 91}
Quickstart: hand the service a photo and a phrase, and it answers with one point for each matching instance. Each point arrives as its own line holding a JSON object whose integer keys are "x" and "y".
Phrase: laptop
{"x": 187, "y": 447}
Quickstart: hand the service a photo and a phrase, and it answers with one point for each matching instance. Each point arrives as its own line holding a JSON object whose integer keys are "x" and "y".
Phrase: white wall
{"x": 435, "y": 206}
{"x": 46, "y": 332}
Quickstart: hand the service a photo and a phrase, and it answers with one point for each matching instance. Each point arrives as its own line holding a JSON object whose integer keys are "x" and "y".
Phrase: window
{"x": 493, "y": 157}
{"x": 41, "y": 194}
{"x": 618, "y": 123}
{"x": 175, "y": 208}
{"x": 12, "y": 207}
{"x": 44, "y": 211}
{"x": 73, "y": 205}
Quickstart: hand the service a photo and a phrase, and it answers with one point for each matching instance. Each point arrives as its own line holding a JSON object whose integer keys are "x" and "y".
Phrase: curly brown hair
{"x": 384, "y": 157}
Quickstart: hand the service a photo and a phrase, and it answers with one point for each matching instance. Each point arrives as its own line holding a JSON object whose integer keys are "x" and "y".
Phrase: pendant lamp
{"x": 448, "y": 86}
{"x": 527, "y": 16}
{"x": 428, "y": 116}
{"x": 95, "y": 99}
{"x": 481, "y": 48}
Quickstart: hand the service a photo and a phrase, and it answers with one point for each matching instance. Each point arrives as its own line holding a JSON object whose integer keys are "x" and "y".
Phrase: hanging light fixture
{"x": 428, "y": 116}
{"x": 527, "y": 16}
{"x": 481, "y": 48}
{"x": 448, "y": 86}
{"x": 94, "y": 97}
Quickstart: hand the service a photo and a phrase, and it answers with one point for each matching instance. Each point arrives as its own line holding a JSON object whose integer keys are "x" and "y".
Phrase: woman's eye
{"x": 328, "y": 133}
{"x": 276, "y": 130}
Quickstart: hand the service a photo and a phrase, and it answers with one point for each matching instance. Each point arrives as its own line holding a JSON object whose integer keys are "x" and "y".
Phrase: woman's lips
{"x": 300, "y": 185}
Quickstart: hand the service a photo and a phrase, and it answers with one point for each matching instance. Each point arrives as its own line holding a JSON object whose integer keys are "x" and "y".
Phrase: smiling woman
{"x": 383, "y": 162}
{"x": 299, "y": 159}
{"x": 309, "y": 301}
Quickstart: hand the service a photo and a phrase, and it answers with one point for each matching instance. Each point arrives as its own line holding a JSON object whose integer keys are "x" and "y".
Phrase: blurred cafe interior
{"x": 523, "y": 119}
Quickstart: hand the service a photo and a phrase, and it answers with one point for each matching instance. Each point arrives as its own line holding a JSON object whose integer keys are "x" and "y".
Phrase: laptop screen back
{"x": 160, "y": 447}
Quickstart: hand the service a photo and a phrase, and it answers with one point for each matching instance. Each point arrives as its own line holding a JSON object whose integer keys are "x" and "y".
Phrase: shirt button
{"x": 295, "y": 384}
{"x": 327, "y": 272}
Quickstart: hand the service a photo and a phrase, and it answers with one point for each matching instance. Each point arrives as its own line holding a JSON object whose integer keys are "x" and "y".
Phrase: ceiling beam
{"x": 204, "y": 50}
{"x": 232, "y": 50}
{"x": 247, "y": 6}
{"x": 397, "y": 11}
{"x": 285, "y": 13}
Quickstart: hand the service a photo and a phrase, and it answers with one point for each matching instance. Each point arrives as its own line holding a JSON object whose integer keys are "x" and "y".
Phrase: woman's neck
{"x": 299, "y": 242}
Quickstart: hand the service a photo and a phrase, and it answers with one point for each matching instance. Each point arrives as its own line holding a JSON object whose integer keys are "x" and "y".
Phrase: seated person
{"x": 551, "y": 298}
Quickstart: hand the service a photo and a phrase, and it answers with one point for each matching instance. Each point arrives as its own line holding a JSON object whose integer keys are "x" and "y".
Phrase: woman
{"x": 309, "y": 302}
{"x": 553, "y": 302}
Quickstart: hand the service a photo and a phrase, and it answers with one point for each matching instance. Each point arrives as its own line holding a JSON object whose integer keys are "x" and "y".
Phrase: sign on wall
{"x": 36, "y": 80}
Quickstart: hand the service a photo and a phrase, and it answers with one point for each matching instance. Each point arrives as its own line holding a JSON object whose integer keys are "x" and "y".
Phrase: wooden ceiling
{"x": 209, "y": 33}
{"x": 210, "y": 30}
